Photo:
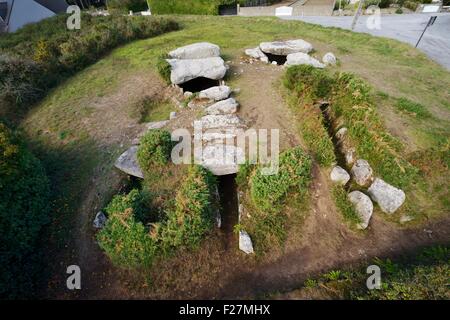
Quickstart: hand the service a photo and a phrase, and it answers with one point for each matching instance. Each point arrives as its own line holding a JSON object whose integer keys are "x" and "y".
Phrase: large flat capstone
{"x": 196, "y": 51}
{"x": 186, "y": 70}
{"x": 283, "y": 48}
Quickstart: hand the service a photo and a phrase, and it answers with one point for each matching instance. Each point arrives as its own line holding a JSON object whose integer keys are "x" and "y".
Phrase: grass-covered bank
{"x": 347, "y": 101}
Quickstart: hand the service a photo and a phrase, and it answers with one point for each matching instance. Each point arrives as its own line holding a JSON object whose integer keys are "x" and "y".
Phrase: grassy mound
{"x": 136, "y": 234}
{"x": 269, "y": 197}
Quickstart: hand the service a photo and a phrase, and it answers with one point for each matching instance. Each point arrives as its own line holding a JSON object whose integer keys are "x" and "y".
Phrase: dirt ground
{"x": 218, "y": 269}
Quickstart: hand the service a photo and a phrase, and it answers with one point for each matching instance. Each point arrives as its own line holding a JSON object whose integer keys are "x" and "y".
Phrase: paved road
{"x": 407, "y": 28}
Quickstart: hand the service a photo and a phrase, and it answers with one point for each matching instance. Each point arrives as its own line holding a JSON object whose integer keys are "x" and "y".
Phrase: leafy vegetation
{"x": 24, "y": 210}
{"x": 39, "y": 56}
{"x": 268, "y": 199}
{"x": 196, "y": 7}
{"x": 124, "y": 6}
{"x": 135, "y": 235}
{"x": 154, "y": 150}
{"x": 268, "y": 191}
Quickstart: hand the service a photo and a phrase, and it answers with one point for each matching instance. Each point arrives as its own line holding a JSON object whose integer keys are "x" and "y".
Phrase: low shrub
{"x": 154, "y": 150}
{"x": 124, "y": 6}
{"x": 411, "y": 5}
{"x": 135, "y": 234}
{"x": 294, "y": 174}
{"x": 30, "y": 66}
{"x": 126, "y": 241}
{"x": 24, "y": 210}
{"x": 193, "y": 215}
{"x": 164, "y": 69}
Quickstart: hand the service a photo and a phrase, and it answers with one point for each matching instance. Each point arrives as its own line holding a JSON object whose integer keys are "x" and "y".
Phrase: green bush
{"x": 294, "y": 174}
{"x": 196, "y": 7}
{"x": 126, "y": 241}
{"x": 193, "y": 215}
{"x": 411, "y": 5}
{"x": 164, "y": 69}
{"x": 124, "y": 6}
{"x": 24, "y": 210}
{"x": 30, "y": 66}
{"x": 155, "y": 149}
{"x": 135, "y": 235}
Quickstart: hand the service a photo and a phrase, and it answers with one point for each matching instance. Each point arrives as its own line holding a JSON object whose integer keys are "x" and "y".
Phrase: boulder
{"x": 222, "y": 159}
{"x": 363, "y": 207}
{"x": 349, "y": 156}
{"x": 172, "y": 115}
{"x": 128, "y": 163}
{"x": 340, "y": 134}
{"x": 185, "y": 70}
{"x": 256, "y": 53}
{"x": 299, "y": 58}
{"x": 156, "y": 125}
{"x": 196, "y": 51}
{"x": 245, "y": 242}
{"x": 389, "y": 198}
{"x": 100, "y": 220}
{"x": 220, "y": 121}
{"x": 362, "y": 172}
{"x": 329, "y": 59}
{"x": 284, "y": 48}
{"x": 339, "y": 175}
{"x": 228, "y": 106}
{"x": 215, "y": 93}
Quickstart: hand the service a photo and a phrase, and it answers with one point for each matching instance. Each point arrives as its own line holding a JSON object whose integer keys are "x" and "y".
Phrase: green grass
{"x": 151, "y": 110}
{"x": 421, "y": 276}
{"x": 345, "y": 206}
{"x": 413, "y": 108}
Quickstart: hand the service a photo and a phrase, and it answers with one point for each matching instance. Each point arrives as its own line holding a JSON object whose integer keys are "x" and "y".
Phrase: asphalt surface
{"x": 404, "y": 27}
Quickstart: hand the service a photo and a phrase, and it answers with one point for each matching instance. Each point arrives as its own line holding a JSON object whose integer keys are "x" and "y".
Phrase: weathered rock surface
{"x": 256, "y": 53}
{"x": 215, "y": 93}
{"x": 362, "y": 172}
{"x": 196, "y": 51}
{"x": 363, "y": 207}
{"x": 339, "y": 175}
{"x": 221, "y": 121}
{"x": 228, "y": 106}
{"x": 329, "y": 59}
{"x": 340, "y": 134}
{"x": 172, "y": 115}
{"x": 349, "y": 156}
{"x": 299, "y": 58}
{"x": 222, "y": 159}
{"x": 128, "y": 163}
{"x": 100, "y": 220}
{"x": 388, "y": 197}
{"x": 245, "y": 242}
{"x": 185, "y": 70}
{"x": 156, "y": 125}
{"x": 283, "y": 48}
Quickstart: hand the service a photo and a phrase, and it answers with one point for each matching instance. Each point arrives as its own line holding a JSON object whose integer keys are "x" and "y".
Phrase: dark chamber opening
{"x": 281, "y": 60}
{"x": 199, "y": 84}
{"x": 229, "y": 204}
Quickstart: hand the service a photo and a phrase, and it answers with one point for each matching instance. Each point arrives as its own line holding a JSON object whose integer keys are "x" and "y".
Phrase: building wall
{"x": 26, "y": 11}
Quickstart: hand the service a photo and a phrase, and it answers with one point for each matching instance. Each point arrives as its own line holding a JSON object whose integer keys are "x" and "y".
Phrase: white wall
{"x": 26, "y": 11}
